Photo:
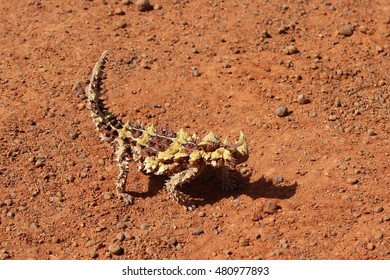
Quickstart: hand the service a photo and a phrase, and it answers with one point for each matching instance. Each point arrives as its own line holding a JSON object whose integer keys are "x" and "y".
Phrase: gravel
{"x": 370, "y": 246}
{"x": 302, "y": 99}
{"x": 150, "y": 250}
{"x": 346, "y": 30}
{"x": 291, "y": 50}
{"x": 270, "y": 207}
{"x": 196, "y": 73}
{"x": 4, "y": 254}
{"x": 93, "y": 254}
{"x": 108, "y": 195}
{"x": 143, "y": 5}
{"x": 145, "y": 226}
{"x": 73, "y": 135}
{"x": 115, "y": 249}
{"x": 121, "y": 225}
{"x": 244, "y": 242}
{"x": 201, "y": 214}
{"x": 277, "y": 179}
{"x": 120, "y": 236}
{"x": 40, "y": 163}
{"x": 371, "y": 132}
{"x": 379, "y": 209}
{"x": 378, "y": 236}
{"x": 352, "y": 181}
{"x": 198, "y": 231}
{"x": 172, "y": 241}
{"x": 119, "y": 12}
{"x": 281, "y": 111}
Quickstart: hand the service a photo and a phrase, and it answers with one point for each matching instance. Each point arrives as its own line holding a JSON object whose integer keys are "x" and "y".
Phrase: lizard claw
{"x": 126, "y": 198}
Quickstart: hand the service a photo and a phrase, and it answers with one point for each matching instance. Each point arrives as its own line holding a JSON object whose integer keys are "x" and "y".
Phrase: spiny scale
{"x": 161, "y": 151}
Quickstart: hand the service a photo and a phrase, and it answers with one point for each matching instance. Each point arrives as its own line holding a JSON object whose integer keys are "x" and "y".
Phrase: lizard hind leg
{"x": 122, "y": 158}
{"x": 229, "y": 182}
{"x": 175, "y": 181}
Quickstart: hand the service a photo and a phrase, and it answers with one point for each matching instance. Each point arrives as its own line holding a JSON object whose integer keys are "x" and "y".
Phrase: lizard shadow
{"x": 206, "y": 189}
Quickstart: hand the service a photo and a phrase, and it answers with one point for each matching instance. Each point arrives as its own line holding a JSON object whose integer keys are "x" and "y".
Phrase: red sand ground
{"x": 319, "y": 184}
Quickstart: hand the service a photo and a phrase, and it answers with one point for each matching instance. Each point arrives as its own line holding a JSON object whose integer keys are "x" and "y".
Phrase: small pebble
{"x": 93, "y": 254}
{"x": 370, "y": 246}
{"x": 277, "y": 179}
{"x": 10, "y": 214}
{"x": 284, "y": 243}
{"x": 265, "y": 34}
{"x": 8, "y": 202}
{"x": 126, "y": 2}
{"x": 379, "y": 209}
{"x": 144, "y": 5}
{"x": 40, "y": 163}
{"x": 257, "y": 215}
{"x": 34, "y": 225}
{"x": 119, "y": 12}
{"x": 201, "y": 214}
{"x": 4, "y": 254}
{"x": 145, "y": 226}
{"x": 281, "y": 111}
{"x": 290, "y": 220}
{"x": 73, "y": 135}
{"x": 371, "y": 132}
{"x": 196, "y": 73}
{"x": 378, "y": 236}
{"x": 332, "y": 117}
{"x": 291, "y": 50}
{"x": 120, "y": 236}
{"x": 352, "y": 181}
{"x": 198, "y": 231}
{"x": 346, "y": 30}
{"x": 244, "y": 242}
{"x": 121, "y": 225}
{"x": 150, "y": 250}
{"x": 115, "y": 249}
{"x": 302, "y": 99}
{"x": 270, "y": 207}
{"x": 121, "y": 24}
{"x": 80, "y": 106}
{"x": 339, "y": 72}
{"x": 172, "y": 241}
{"x": 108, "y": 195}
{"x": 228, "y": 252}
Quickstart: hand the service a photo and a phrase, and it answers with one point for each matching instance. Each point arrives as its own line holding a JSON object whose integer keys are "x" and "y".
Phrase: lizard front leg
{"x": 229, "y": 182}
{"x": 122, "y": 158}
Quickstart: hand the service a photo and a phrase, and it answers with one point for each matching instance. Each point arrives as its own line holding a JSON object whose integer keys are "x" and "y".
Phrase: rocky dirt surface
{"x": 307, "y": 81}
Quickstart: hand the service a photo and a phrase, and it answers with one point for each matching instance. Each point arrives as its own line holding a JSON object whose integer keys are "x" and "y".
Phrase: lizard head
{"x": 239, "y": 150}
{"x": 219, "y": 153}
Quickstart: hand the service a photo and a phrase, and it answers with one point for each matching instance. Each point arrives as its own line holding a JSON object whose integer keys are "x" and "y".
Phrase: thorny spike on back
{"x": 161, "y": 151}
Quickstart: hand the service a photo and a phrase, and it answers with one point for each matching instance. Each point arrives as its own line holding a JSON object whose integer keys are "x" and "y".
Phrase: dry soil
{"x": 319, "y": 172}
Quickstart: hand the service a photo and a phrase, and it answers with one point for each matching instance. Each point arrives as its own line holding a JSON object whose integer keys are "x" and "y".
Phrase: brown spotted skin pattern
{"x": 161, "y": 151}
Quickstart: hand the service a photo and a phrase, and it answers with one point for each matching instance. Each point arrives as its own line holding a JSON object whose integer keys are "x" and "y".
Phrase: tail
{"x": 107, "y": 124}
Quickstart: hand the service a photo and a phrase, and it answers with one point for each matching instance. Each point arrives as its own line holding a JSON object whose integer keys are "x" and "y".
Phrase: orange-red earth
{"x": 319, "y": 171}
